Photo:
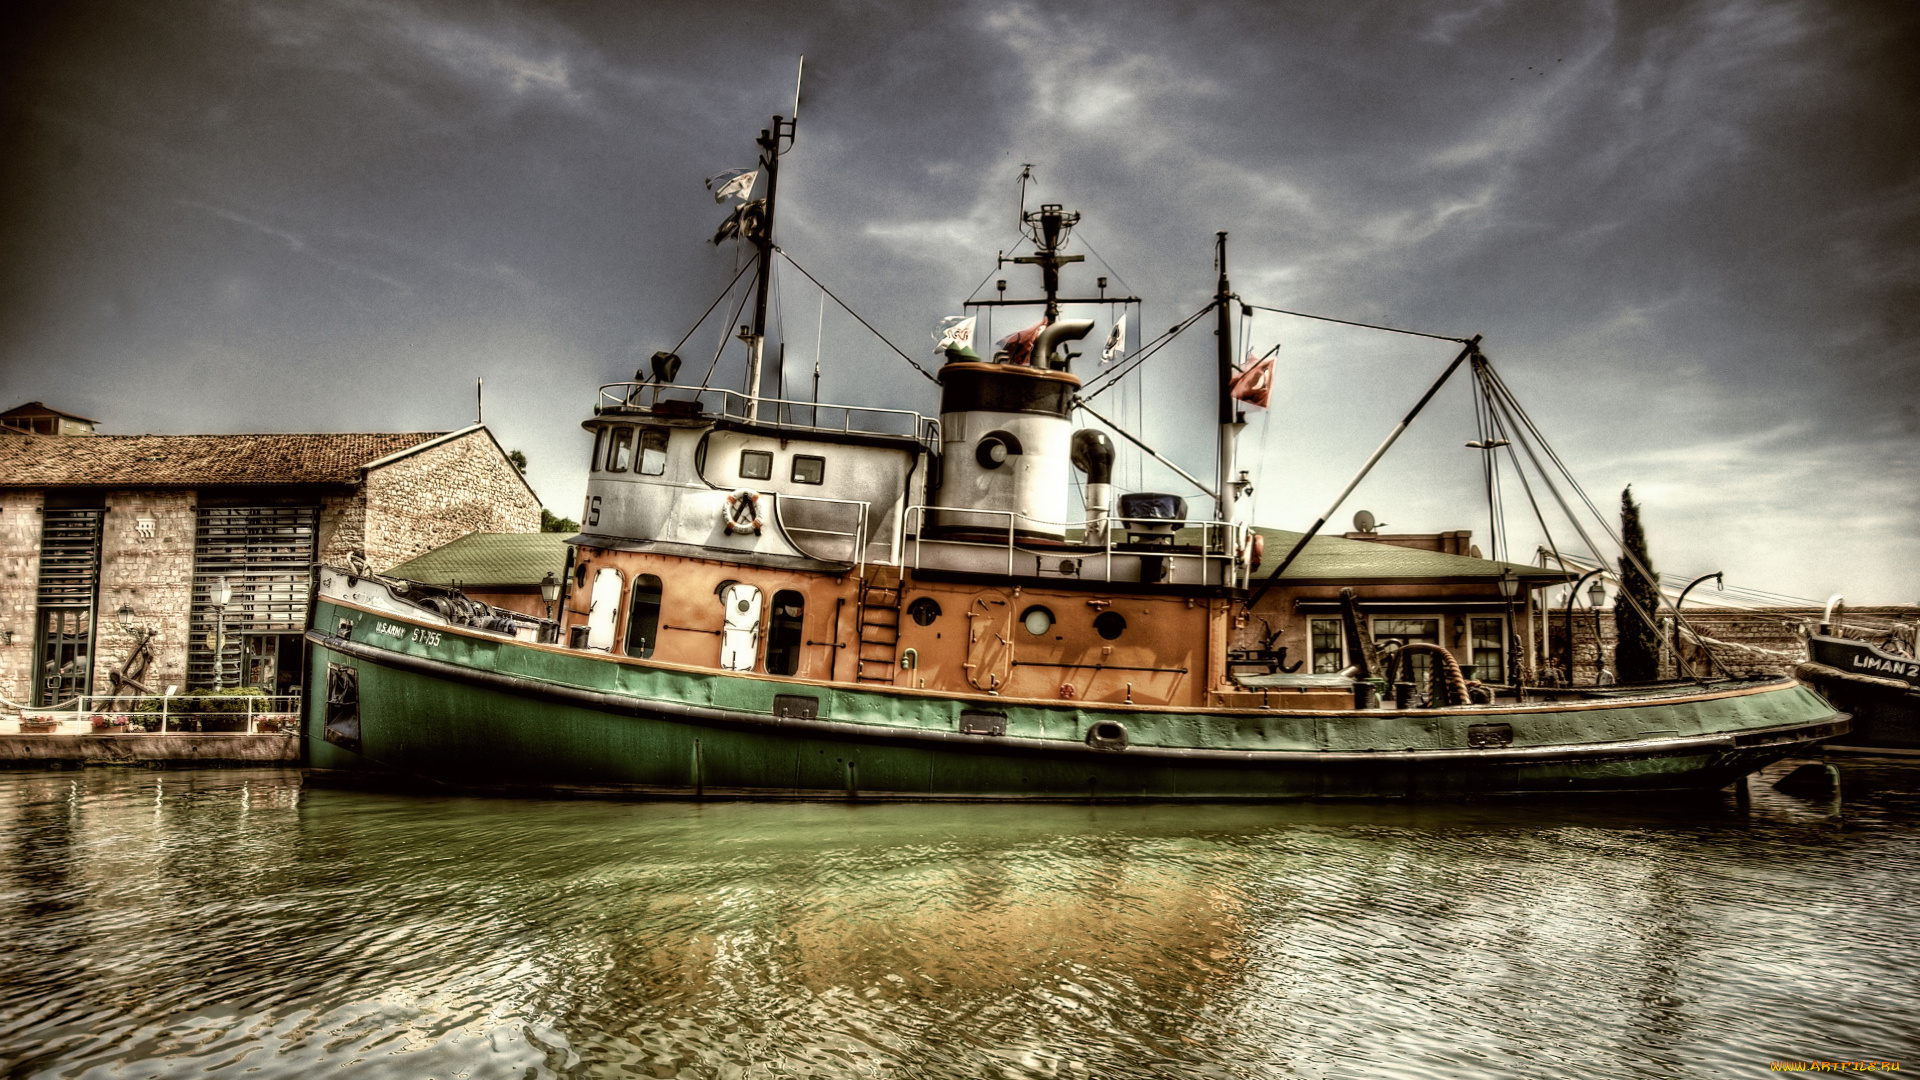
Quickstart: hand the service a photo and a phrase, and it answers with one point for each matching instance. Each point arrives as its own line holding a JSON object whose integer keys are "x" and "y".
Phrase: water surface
{"x": 234, "y": 923}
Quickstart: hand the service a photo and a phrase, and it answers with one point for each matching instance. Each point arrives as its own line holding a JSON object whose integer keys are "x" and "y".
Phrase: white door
{"x": 740, "y": 634}
{"x": 602, "y": 609}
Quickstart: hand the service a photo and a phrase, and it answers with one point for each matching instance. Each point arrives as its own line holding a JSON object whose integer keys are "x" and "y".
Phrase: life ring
{"x": 1253, "y": 550}
{"x": 742, "y": 512}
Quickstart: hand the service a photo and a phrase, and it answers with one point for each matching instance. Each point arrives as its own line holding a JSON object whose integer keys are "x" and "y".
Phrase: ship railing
{"x": 164, "y": 714}
{"x": 830, "y": 510}
{"x": 1217, "y": 541}
{"x": 817, "y": 418}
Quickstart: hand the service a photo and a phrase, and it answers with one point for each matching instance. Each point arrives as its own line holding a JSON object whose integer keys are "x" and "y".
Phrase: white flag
{"x": 956, "y": 335}
{"x": 734, "y": 183}
{"x": 1116, "y": 342}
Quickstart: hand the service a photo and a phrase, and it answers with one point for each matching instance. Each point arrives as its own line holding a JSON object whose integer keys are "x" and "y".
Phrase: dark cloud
{"x": 1687, "y": 230}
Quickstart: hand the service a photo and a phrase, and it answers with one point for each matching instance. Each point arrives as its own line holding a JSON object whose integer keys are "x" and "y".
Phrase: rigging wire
{"x": 856, "y": 315}
{"x": 724, "y": 293}
{"x": 1505, "y": 400}
{"x": 1103, "y": 261}
{"x": 737, "y": 309}
{"x": 1107, "y": 380}
{"x": 1350, "y": 322}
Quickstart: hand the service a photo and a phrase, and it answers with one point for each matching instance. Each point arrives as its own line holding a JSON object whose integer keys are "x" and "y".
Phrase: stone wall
{"x": 442, "y": 493}
{"x": 150, "y": 574}
{"x": 342, "y": 528}
{"x": 19, "y": 590}
{"x": 1769, "y": 641}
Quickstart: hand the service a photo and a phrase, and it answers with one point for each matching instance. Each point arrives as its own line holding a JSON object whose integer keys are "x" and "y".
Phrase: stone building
{"x": 111, "y": 539}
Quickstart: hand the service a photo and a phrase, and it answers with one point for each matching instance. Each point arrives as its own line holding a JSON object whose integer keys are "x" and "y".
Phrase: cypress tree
{"x": 1636, "y": 654}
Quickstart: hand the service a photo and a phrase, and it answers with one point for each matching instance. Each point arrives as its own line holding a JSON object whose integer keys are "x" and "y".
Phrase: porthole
{"x": 924, "y": 610}
{"x": 1110, "y": 624}
{"x": 1037, "y": 620}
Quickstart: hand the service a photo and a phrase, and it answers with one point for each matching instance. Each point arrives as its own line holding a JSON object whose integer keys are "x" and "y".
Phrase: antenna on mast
{"x": 796, "y": 87}
{"x": 1026, "y": 174}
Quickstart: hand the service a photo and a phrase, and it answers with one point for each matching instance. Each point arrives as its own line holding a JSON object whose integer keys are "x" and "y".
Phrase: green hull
{"x": 466, "y": 711}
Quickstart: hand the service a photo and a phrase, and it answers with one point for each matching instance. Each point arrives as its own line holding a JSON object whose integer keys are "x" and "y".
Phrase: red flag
{"x": 1255, "y": 382}
{"x": 1019, "y": 345}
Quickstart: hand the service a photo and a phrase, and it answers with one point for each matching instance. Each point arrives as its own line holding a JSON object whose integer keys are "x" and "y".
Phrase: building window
{"x": 620, "y": 450}
{"x": 643, "y": 616}
{"x": 756, "y": 465}
{"x": 1489, "y": 649}
{"x": 653, "y": 451}
{"x": 1328, "y": 646}
{"x": 783, "y": 633}
{"x": 808, "y": 469}
{"x": 1411, "y": 630}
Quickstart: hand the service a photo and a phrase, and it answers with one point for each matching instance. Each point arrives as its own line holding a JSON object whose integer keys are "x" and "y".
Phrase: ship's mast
{"x": 1229, "y": 422}
{"x": 756, "y": 335}
{"x": 1049, "y": 226}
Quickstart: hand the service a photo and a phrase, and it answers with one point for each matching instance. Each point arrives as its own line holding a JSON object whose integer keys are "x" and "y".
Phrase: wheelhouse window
{"x": 1489, "y": 649}
{"x": 598, "y": 461}
{"x": 643, "y": 616}
{"x": 620, "y": 450}
{"x": 1328, "y": 650}
{"x": 808, "y": 469}
{"x": 653, "y": 451}
{"x": 784, "y": 633}
{"x": 756, "y": 465}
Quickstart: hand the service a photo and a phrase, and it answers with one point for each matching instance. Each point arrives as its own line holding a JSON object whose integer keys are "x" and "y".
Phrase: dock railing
{"x": 161, "y": 714}
{"x": 821, "y": 418}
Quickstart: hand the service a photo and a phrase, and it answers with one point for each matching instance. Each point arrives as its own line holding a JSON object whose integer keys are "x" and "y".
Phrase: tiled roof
{"x": 489, "y": 559}
{"x": 196, "y": 460}
{"x": 1334, "y": 558}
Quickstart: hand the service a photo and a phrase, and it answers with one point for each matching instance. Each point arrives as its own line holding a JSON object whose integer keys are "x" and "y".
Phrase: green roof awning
{"x": 489, "y": 559}
{"x": 1337, "y": 559}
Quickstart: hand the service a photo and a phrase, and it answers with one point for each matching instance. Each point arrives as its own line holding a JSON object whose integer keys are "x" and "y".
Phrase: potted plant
{"x": 38, "y": 725}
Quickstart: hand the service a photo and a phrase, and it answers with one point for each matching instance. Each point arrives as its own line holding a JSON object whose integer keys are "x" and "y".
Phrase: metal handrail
{"x": 167, "y": 708}
{"x": 1235, "y": 531}
{"x": 732, "y": 403}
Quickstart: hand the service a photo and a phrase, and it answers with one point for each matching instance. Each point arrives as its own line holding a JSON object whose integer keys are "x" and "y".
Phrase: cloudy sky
{"x": 1687, "y": 231}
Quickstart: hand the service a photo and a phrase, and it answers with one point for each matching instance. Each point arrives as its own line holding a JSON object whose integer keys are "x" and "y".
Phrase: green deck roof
{"x": 489, "y": 559}
{"x": 1335, "y": 558}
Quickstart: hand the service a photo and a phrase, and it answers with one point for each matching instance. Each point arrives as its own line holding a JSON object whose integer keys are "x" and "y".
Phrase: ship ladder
{"x": 879, "y": 616}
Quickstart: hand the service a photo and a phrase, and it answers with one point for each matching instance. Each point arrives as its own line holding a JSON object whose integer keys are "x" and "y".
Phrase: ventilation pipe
{"x": 1059, "y": 333}
{"x": 1092, "y": 453}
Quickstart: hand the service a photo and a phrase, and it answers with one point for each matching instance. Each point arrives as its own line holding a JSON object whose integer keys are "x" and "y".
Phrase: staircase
{"x": 879, "y": 614}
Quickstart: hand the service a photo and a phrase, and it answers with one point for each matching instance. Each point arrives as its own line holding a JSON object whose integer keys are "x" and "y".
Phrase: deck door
{"x": 740, "y": 633}
{"x": 602, "y": 609}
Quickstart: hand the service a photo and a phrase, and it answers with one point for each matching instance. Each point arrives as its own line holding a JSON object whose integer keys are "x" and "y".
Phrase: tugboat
{"x": 1878, "y": 683}
{"x": 787, "y": 600}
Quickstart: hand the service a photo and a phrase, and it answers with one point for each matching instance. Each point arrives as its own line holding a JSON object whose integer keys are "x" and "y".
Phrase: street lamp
{"x": 1720, "y": 584}
{"x": 550, "y": 592}
{"x": 1509, "y": 587}
{"x": 1597, "y": 595}
{"x": 1573, "y": 595}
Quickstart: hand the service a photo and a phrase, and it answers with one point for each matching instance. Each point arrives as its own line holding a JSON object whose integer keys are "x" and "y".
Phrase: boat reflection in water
{"x": 209, "y": 924}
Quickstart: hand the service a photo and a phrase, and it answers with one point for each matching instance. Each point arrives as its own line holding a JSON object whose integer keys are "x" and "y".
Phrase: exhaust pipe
{"x": 1092, "y": 453}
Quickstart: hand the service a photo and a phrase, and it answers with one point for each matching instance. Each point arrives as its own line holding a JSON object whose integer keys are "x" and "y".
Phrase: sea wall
{"x": 20, "y": 751}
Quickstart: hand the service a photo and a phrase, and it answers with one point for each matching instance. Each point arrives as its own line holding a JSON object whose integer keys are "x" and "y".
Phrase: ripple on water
{"x": 232, "y": 923}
